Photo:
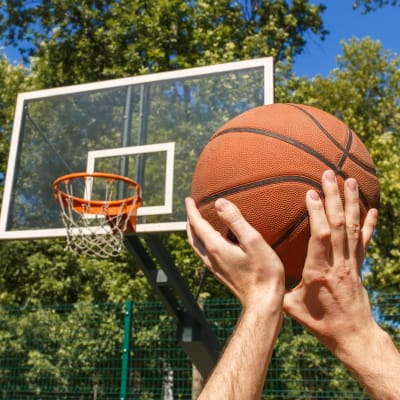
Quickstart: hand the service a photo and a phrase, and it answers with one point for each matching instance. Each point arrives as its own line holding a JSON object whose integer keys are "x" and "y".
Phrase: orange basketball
{"x": 266, "y": 159}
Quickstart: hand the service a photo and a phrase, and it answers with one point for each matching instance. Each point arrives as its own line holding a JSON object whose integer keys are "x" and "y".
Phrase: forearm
{"x": 241, "y": 371}
{"x": 375, "y": 362}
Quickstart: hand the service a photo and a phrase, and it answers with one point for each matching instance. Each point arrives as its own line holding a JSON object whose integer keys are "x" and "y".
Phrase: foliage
{"x": 74, "y": 351}
{"x": 13, "y": 79}
{"x": 73, "y": 42}
{"x": 56, "y": 350}
{"x": 42, "y": 272}
{"x": 88, "y": 40}
{"x": 367, "y": 6}
{"x": 307, "y": 367}
{"x": 364, "y": 91}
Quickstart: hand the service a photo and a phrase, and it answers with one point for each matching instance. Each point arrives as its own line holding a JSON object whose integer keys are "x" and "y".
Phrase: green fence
{"x": 77, "y": 352}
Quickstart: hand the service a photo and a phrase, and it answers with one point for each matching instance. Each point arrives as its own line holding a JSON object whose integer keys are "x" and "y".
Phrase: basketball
{"x": 266, "y": 159}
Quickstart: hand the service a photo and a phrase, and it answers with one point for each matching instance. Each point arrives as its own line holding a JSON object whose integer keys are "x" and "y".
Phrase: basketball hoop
{"x": 105, "y": 209}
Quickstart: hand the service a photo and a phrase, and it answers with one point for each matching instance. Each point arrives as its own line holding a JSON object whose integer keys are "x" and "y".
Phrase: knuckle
{"x": 353, "y": 230}
{"x": 232, "y": 214}
{"x": 253, "y": 237}
{"x": 212, "y": 249}
{"x": 339, "y": 221}
{"x": 318, "y": 275}
{"x": 323, "y": 235}
{"x": 317, "y": 206}
{"x": 343, "y": 272}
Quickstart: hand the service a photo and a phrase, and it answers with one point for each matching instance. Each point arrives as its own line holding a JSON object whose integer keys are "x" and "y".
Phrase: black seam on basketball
{"x": 299, "y": 145}
{"x": 288, "y": 140}
{"x": 290, "y": 230}
{"x": 316, "y": 122}
{"x": 346, "y": 151}
{"x": 333, "y": 140}
{"x": 357, "y": 161}
{"x": 253, "y": 185}
{"x": 296, "y": 223}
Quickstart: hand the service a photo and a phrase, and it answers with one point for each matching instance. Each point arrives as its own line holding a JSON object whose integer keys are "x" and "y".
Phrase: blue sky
{"x": 319, "y": 57}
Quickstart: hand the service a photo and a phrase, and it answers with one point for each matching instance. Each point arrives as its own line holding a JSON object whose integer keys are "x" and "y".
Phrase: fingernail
{"x": 313, "y": 195}
{"x": 351, "y": 184}
{"x": 220, "y": 204}
{"x": 330, "y": 176}
{"x": 373, "y": 211}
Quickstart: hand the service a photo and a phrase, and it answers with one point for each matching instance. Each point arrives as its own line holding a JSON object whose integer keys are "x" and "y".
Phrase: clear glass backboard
{"x": 150, "y": 128}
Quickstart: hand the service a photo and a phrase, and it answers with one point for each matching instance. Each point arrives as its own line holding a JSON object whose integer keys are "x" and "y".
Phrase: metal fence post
{"x": 126, "y": 350}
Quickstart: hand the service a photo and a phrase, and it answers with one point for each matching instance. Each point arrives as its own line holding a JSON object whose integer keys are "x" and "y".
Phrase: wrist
{"x": 266, "y": 313}
{"x": 362, "y": 346}
{"x": 374, "y": 361}
{"x": 265, "y": 302}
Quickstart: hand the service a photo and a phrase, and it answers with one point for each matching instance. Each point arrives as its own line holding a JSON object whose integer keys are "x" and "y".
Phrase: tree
{"x": 364, "y": 91}
{"x": 59, "y": 349}
{"x": 71, "y": 42}
{"x": 75, "y": 42}
{"x": 40, "y": 271}
{"x": 13, "y": 79}
{"x": 372, "y": 5}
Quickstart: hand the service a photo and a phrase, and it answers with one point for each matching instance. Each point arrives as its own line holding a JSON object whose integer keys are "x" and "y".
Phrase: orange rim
{"x": 113, "y": 207}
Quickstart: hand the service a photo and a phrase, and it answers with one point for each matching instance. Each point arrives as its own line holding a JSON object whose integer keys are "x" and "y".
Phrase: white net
{"x": 96, "y": 233}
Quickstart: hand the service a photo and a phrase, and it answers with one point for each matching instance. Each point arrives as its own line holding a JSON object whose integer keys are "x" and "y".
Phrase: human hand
{"x": 331, "y": 302}
{"x": 250, "y": 269}
{"x": 255, "y": 275}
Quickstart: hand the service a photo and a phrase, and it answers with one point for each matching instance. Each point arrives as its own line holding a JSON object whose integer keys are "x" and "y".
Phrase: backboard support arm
{"x": 194, "y": 332}
{"x": 142, "y": 130}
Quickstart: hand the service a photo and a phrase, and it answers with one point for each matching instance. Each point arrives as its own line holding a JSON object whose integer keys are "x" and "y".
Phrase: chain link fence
{"x": 77, "y": 351}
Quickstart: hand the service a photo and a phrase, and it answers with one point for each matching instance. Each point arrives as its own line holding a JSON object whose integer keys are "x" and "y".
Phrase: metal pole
{"x": 194, "y": 332}
{"x": 142, "y": 131}
{"x": 125, "y": 140}
{"x": 126, "y": 350}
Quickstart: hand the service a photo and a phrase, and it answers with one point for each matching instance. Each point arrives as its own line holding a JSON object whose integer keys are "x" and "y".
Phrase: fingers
{"x": 352, "y": 217}
{"x": 213, "y": 248}
{"x": 234, "y": 220}
{"x": 197, "y": 228}
{"x": 348, "y": 238}
{"x": 229, "y": 215}
{"x": 368, "y": 227}
{"x": 206, "y": 241}
{"x": 319, "y": 244}
{"x": 334, "y": 212}
{"x": 337, "y": 228}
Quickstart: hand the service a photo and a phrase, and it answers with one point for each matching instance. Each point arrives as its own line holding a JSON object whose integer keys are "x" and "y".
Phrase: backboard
{"x": 150, "y": 128}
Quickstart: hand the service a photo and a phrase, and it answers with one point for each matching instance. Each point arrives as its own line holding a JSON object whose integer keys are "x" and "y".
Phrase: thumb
{"x": 293, "y": 304}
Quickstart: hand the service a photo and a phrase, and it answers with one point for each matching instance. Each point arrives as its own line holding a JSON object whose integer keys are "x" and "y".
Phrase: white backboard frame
{"x": 169, "y": 148}
{"x": 266, "y": 63}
